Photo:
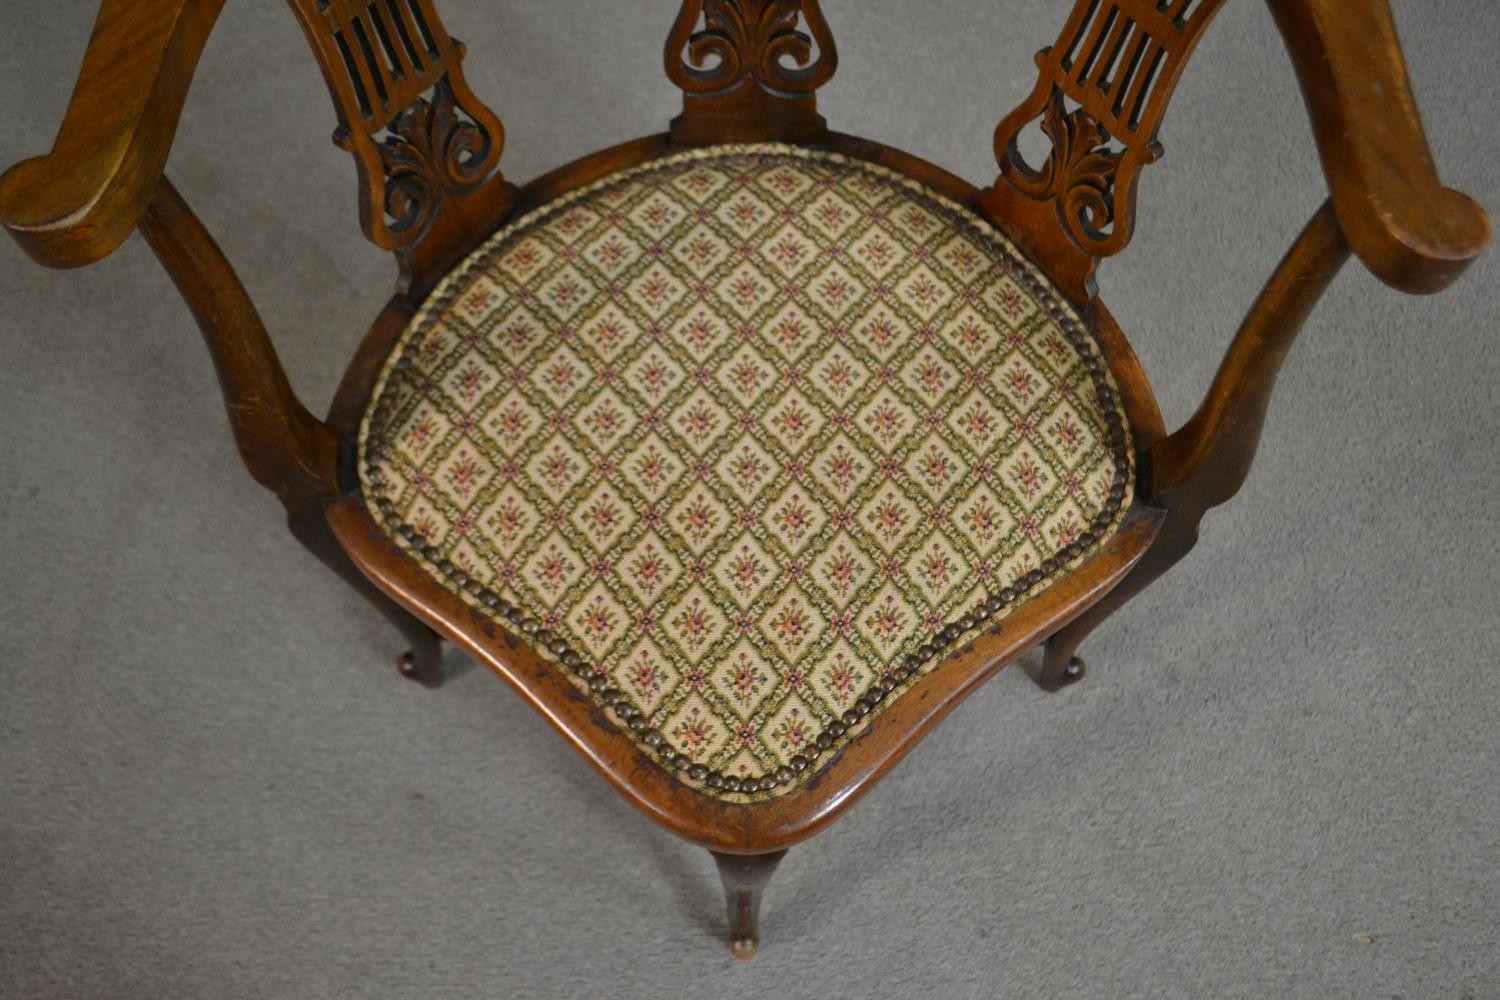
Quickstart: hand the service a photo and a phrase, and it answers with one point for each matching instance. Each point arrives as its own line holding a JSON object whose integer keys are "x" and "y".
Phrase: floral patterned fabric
{"x": 745, "y": 441}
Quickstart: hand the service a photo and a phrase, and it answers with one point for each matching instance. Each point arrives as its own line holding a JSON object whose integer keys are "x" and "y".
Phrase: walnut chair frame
{"x": 427, "y": 154}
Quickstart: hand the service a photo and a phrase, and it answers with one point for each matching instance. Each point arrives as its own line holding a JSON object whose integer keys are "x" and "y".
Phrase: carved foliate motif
{"x": 1080, "y": 172}
{"x": 749, "y": 68}
{"x": 429, "y": 153}
{"x": 417, "y": 132}
{"x": 1101, "y": 94}
{"x": 755, "y": 39}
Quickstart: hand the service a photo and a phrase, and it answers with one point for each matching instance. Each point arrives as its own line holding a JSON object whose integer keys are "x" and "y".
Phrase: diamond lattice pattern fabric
{"x": 745, "y": 441}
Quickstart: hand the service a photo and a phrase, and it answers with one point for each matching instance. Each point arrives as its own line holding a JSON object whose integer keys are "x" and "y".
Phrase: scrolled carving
{"x": 750, "y": 68}
{"x": 1115, "y": 64}
{"x": 1080, "y": 173}
{"x": 758, "y": 39}
{"x": 427, "y": 150}
{"x": 430, "y": 153}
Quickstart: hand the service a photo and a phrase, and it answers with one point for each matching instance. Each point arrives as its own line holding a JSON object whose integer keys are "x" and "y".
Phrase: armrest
{"x": 1412, "y": 232}
{"x": 79, "y": 202}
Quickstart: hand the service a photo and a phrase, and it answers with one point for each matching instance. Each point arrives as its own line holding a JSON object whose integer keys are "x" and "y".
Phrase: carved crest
{"x": 1080, "y": 172}
{"x": 755, "y": 39}
{"x": 750, "y": 68}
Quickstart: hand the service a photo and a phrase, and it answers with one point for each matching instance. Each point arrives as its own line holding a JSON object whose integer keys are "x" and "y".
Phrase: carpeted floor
{"x": 214, "y": 785}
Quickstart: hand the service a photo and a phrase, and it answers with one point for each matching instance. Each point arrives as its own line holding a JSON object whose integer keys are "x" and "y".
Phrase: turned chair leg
{"x": 745, "y": 877}
{"x": 423, "y": 661}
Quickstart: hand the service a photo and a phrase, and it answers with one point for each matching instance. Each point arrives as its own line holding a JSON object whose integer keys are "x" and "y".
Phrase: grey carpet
{"x": 214, "y": 785}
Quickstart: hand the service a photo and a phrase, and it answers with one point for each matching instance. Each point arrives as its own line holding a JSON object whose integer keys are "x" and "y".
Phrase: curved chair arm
{"x": 286, "y": 449}
{"x": 1409, "y": 230}
{"x": 1205, "y": 462}
{"x": 78, "y": 203}
{"x": 103, "y": 179}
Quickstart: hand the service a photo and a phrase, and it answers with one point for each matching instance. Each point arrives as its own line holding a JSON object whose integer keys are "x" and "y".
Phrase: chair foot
{"x": 423, "y": 663}
{"x": 1061, "y": 666}
{"x": 745, "y": 877}
{"x": 1073, "y": 670}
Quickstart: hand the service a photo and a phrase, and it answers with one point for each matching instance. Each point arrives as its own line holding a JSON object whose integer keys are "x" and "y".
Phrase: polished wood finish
{"x": 286, "y": 449}
{"x": 745, "y": 877}
{"x": 427, "y": 150}
{"x": 1205, "y": 463}
{"x": 1409, "y": 230}
{"x": 427, "y": 154}
{"x": 78, "y": 203}
{"x": 596, "y": 735}
{"x": 762, "y": 825}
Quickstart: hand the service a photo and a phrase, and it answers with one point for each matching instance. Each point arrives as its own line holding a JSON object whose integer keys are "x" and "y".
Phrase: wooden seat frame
{"x": 431, "y": 190}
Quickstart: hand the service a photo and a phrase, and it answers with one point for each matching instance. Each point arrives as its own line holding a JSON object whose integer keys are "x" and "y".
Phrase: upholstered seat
{"x": 742, "y": 437}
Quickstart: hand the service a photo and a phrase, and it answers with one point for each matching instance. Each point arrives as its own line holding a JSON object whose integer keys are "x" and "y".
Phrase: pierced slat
{"x": 395, "y": 55}
{"x": 1121, "y": 86}
{"x": 1093, "y": 44}
{"x": 1104, "y": 72}
{"x": 1101, "y": 93}
{"x": 359, "y": 79}
{"x": 414, "y": 7}
{"x": 419, "y": 135}
{"x": 376, "y": 71}
{"x": 1078, "y": 23}
{"x": 410, "y": 36}
{"x": 1177, "y": 10}
{"x": 1135, "y": 99}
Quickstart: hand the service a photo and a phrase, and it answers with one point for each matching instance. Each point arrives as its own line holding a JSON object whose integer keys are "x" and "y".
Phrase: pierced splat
{"x": 1101, "y": 94}
{"x": 748, "y": 70}
{"x": 419, "y": 136}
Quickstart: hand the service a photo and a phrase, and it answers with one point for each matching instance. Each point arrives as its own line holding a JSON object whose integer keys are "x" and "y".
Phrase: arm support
{"x": 1205, "y": 463}
{"x": 78, "y": 203}
{"x": 103, "y": 178}
{"x": 1412, "y": 232}
{"x": 287, "y": 449}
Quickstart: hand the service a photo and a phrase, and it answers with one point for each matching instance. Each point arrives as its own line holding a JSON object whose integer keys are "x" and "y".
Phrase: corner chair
{"x": 745, "y": 451}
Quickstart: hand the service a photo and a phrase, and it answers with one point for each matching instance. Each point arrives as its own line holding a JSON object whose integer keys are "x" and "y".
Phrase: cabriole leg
{"x": 423, "y": 661}
{"x": 745, "y": 877}
{"x": 1061, "y": 664}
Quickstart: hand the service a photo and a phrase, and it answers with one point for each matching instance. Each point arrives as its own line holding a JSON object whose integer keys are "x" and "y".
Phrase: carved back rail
{"x": 420, "y": 138}
{"x": 1101, "y": 93}
{"x": 749, "y": 71}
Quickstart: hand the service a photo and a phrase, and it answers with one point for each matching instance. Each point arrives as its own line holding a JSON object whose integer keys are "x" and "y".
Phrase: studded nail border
{"x": 894, "y": 679}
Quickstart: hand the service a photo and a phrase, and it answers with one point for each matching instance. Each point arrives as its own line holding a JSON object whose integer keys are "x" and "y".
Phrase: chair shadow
{"x": 699, "y": 899}
{"x": 456, "y": 662}
{"x": 909, "y": 832}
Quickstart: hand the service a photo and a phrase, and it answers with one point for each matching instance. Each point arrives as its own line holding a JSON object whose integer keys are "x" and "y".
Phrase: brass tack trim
{"x": 888, "y": 680}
